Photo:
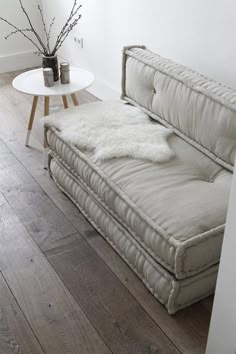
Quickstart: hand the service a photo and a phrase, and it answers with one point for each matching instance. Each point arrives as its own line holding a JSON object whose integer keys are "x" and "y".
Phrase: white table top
{"x": 32, "y": 83}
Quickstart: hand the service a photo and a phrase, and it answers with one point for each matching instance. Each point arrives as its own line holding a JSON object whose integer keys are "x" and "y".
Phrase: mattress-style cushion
{"x": 176, "y": 211}
{"x": 200, "y": 110}
{"x": 174, "y": 294}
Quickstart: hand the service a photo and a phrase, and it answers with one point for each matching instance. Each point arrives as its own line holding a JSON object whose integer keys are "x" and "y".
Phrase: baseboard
{"x": 19, "y": 61}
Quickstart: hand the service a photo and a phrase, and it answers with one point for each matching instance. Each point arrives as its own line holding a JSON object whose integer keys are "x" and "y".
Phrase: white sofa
{"x": 165, "y": 220}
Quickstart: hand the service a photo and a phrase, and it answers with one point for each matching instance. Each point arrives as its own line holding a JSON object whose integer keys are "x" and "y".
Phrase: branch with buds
{"x": 32, "y": 35}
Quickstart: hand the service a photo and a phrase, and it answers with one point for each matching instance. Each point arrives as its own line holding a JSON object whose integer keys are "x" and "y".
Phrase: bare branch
{"x": 50, "y": 28}
{"x": 44, "y": 27}
{"x": 71, "y": 22}
{"x": 17, "y": 29}
{"x": 64, "y": 32}
{"x": 31, "y": 26}
{"x": 72, "y": 14}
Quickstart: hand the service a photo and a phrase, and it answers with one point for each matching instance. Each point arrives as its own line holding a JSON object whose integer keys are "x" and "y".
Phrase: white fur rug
{"x": 113, "y": 129}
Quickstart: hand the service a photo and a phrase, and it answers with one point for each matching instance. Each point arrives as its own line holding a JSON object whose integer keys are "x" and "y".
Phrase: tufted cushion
{"x": 200, "y": 110}
{"x": 176, "y": 211}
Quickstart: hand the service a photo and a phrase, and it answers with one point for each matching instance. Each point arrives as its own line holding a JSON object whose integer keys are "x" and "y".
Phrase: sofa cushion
{"x": 201, "y": 111}
{"x": 175, "y": 210}
{"x": 174, "y": 294}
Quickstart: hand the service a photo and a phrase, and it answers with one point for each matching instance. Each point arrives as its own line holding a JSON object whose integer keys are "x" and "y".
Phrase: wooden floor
{"x": 62, "y": 288}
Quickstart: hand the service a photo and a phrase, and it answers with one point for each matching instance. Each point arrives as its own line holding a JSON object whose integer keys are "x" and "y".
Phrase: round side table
{"x": 32, "y": 83}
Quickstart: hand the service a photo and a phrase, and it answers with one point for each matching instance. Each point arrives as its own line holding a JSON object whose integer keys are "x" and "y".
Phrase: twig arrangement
{"x": 44, "y": 47}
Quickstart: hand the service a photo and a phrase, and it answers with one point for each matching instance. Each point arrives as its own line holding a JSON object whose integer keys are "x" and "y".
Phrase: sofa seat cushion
{"x": 176, "y": 210}
{"x": 174, "y": 293}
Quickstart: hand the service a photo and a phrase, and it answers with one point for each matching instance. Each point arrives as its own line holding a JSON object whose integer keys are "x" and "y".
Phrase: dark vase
{"x": 51, "y": 62}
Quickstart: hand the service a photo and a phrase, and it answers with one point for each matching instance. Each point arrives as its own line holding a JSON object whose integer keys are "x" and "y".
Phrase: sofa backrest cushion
{"x": 198, "y": 109}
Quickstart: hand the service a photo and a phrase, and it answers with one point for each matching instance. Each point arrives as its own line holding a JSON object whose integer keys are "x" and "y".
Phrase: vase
{"x": 51, "y": 62}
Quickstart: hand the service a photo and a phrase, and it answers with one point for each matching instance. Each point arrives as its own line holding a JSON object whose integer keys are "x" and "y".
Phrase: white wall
{"x": 16, "y": 52}
{"x": 197, "y": 33}
{"x": 222, "y": 335}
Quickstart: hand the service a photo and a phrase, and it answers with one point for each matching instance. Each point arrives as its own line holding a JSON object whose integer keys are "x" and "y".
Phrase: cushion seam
{"x": 182, "y": 259}
{"x": 188, "y": 303}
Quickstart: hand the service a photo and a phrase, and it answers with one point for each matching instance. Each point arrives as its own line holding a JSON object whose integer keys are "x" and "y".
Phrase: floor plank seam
{"x": 26, "y": 319}
{"x": 59, "y": 248}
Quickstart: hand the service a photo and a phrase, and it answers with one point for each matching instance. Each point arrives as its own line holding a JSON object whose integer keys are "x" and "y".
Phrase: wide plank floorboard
{"x": 16, "y": 336}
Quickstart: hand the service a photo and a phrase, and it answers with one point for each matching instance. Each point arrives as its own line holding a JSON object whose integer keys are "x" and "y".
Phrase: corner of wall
{"x": 19, "y": 61}
{"x": 102, "y": 91}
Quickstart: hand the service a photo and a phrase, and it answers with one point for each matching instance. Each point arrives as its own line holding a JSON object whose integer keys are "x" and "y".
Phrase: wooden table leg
{"x": 65, "y": 103}
{"x": 31, "y": 120}
{"x": 74, "y": 99}
{"x": 45, "y": 147}
{"x": 46, "y": 106}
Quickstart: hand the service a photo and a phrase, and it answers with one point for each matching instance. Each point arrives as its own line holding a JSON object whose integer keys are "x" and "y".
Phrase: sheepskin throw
{"x": 113, "y": 129}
